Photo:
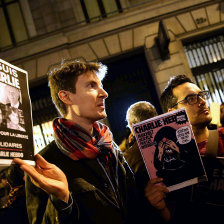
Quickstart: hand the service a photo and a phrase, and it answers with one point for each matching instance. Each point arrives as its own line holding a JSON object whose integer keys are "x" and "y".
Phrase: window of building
{"x": 91, "y": 10}
{"x": 12, "y": 24}
{"x": 43, "y": 135}
{"x": 206, "y": 60}
{"x": 98, "y": 9}
{"x": 112, "y": 7}
{"x": 43, "y": 113}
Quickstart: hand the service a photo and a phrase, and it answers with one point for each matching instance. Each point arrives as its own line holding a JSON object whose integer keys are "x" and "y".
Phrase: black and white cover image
{"x": 16, "y": 131}
{"x": 169, "y": 149}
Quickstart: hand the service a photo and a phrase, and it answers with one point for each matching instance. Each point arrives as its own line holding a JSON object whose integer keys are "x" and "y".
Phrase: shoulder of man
{"x": 48, "y": 148}
{"x": 51, "y": 152}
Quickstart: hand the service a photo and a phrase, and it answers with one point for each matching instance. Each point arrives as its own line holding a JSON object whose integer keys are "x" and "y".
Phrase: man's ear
{"x": 64, "y": 96}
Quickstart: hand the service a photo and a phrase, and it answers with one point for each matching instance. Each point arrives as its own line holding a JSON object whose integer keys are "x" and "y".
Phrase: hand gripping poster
{"x": 16, "y": 130}
{"x": 169, "y": 149}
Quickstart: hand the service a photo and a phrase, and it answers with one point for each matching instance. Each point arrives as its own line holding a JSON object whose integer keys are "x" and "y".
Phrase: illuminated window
{"x": 48, "y": 131}
{"x": 206, "y": 60}
{"x": 38, "y": 137}
{"x": 12, "y": 24}
{"x": 43, "y": 135}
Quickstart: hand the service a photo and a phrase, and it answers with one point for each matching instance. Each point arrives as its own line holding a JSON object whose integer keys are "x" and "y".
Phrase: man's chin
{"x": 209, "y": 119}
{"x": 204, "y": 123}
{"x": 102, "y": 116}
{"x": 206, "y": 119}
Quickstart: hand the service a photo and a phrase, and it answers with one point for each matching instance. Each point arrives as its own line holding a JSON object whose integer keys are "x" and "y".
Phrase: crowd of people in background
{"x": 84, "y": 177}
{"x": 12, "y": 196}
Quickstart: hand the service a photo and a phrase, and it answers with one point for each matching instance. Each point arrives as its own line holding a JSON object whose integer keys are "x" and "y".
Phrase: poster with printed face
{"x": 169, "y": 149}
{"x": 16, "y": 131}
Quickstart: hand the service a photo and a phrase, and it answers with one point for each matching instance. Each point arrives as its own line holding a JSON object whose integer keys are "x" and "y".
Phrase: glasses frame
{"x": 198, "y": 95}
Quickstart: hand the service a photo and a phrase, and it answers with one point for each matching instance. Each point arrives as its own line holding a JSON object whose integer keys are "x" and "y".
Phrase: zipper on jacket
{"x": 112, "y": 186}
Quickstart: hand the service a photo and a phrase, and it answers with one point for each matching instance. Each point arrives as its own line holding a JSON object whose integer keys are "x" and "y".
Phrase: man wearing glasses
{"x": 181, "y": 92}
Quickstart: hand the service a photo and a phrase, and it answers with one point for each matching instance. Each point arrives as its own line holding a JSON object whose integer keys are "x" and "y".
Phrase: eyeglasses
{"x": 193, "y": 98}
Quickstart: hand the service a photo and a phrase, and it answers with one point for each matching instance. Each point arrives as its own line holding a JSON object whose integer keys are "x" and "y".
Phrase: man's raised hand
{"x": 46, "y": 176}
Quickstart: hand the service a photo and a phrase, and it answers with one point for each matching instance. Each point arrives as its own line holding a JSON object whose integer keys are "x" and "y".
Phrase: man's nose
{"x": 201, "y": 100}
{"x": 103, "y": 93}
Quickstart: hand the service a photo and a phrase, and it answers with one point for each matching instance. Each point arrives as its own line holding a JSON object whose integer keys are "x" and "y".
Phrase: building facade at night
{"x": 143, "y": 43}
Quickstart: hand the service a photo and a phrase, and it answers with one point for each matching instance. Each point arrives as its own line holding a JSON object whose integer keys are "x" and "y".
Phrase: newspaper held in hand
{"x": 169, "y": 149}
{"x": 16, "y": 128}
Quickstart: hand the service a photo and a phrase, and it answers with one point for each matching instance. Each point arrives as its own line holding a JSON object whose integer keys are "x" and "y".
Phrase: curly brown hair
{"x": 64, "y": 76}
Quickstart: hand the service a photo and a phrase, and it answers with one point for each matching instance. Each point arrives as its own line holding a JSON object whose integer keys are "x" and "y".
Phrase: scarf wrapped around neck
{"x": 77, "y": 143}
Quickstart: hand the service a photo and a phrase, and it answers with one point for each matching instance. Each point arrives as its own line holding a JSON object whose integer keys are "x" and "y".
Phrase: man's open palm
{"x": 47, "y": 176}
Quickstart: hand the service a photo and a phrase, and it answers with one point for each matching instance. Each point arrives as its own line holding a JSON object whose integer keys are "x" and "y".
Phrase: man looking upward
{"x": 180, "y": 92}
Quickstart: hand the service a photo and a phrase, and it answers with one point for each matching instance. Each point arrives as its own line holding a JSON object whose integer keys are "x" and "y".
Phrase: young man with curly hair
{"x": 80, "y": 177}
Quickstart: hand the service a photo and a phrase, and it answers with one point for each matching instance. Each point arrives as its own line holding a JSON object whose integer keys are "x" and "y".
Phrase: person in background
{"x": 4, "y": 188}
{"x": 222, "y": 114}
{"x": 13, "y": 205}
{"x": 182, "y": 92}
{"x": 81, "y": 176}
{"x": 124, "y": 145}
{"x": 140, "y": 111}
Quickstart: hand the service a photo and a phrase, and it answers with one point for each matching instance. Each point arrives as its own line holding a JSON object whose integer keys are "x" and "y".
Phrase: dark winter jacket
{"x": 96, "y": 199}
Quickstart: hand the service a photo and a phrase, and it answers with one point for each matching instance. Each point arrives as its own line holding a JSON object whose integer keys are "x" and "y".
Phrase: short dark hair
{"x": 64, "y": 76}
{"x": 167, "y": 99}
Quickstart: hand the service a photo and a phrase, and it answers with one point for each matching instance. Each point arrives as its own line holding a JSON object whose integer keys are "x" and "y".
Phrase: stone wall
{"x": 116, "y": 35}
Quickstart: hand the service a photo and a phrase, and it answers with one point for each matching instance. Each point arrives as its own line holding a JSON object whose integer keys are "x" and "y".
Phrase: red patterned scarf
{"x": 77, "y": 143}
